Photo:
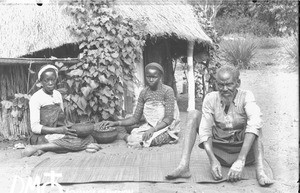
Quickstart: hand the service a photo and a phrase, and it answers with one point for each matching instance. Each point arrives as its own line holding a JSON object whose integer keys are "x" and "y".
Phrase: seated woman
{"x": 48, "y": 122}
{"x": 158, "y": 105}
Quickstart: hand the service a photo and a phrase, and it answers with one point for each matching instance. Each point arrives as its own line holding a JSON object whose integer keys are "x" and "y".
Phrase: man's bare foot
{"x": 29, "y": 151}
{"x": 262, "y": 178}
{"x": 179, "y": 172}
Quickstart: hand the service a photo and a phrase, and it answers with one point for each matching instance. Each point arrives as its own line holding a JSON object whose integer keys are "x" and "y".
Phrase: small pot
{"x": 83, "y": 129}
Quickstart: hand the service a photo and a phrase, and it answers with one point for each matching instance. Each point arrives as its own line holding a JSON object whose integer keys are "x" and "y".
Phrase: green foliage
{"x": 231, "y": 25}
{"x": 111, "y": 47}
{"x": 238, "y": 52}
{"x": 262, "y": 42}
{"x": 279, "y": 16}
{"x": 17, "y": 106}
{"x": 205, "y": 70}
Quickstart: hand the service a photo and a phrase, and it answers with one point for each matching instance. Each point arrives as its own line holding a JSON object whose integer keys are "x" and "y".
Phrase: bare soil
{"x": 276, "y": 92}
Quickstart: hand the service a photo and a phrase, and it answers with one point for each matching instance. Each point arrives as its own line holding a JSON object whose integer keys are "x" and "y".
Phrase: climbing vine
{"x": 111, "y": 47}
{"x": 204, "y": 71}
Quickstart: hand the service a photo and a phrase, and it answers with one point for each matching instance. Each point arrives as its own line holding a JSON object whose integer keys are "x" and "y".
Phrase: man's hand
{"x": 235, "y": 172}
{"x": 69, "y": 131}
{"x": 216, "y": 170}
{"x": 148, "y": 134}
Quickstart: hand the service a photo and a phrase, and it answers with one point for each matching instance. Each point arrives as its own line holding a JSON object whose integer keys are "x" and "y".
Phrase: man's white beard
{"x": 227, "y": 100}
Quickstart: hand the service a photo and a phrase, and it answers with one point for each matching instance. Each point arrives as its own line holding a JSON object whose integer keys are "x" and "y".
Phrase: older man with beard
{"x": 229, "y": 130}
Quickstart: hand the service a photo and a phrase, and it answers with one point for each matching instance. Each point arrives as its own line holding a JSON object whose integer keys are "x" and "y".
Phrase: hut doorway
{"x": 160, "y": 52}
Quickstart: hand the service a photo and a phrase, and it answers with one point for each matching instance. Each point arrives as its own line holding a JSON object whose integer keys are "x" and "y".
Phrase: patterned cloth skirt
{"x": 227, "y": 147}
{"x": 163, "y": 138}
{"x": 53, "y": 116}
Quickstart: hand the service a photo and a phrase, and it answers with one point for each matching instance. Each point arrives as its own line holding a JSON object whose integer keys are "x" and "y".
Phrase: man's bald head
{"x": 227, "y": 82}
{"x": 228, "y": 69}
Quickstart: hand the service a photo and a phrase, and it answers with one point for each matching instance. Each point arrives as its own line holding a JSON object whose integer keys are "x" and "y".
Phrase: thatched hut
{"x": 173, "y": 28}
{"x": 30, "y": 34}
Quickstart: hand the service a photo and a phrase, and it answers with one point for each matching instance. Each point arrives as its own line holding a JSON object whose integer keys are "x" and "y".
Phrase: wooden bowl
{"x": 83, "y": 129}
{"x": 105, "y": 136}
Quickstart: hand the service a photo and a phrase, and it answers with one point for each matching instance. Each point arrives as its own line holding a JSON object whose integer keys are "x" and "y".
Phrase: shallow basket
{"x": 105, "y": 136}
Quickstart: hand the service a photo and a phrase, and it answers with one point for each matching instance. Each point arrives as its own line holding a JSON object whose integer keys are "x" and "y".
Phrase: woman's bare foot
{"x": 29, "y": 151}
{"x": 39, "y": 153}
{"x": 95, "y": 146}
{"x": 262, "y": 178}
{"x": 179, "y": 172}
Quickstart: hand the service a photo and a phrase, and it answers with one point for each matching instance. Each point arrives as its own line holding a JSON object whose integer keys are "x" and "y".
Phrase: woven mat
{"x": 130, "y": 167}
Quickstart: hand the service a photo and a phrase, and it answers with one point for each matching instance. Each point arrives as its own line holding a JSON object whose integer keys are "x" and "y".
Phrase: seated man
{"x": 157, "y": 104}
{"x": 230, "y": 130}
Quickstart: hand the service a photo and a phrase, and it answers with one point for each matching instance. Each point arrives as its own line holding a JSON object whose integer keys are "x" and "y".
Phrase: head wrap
{"x": 156, "y": 66}
{"x": 46, "y": 67}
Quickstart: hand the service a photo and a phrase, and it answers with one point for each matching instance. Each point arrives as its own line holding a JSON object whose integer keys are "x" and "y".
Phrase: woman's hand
{"x": 69, "y": 131}
{"x": 148, "y": 134}
{"x": 106, "y": 124}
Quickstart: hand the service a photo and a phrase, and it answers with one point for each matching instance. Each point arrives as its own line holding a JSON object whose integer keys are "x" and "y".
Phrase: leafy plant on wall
{"x": 204, "y": 71}
{"x": 111, "y": 47}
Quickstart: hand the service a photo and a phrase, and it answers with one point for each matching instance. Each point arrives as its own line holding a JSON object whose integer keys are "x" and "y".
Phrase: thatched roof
{"x": 165, "y": 18}
{"x": 27, "y": 28}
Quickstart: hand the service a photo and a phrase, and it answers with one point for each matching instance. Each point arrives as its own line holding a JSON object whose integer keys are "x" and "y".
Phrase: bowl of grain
{"x": 104, "y": 134}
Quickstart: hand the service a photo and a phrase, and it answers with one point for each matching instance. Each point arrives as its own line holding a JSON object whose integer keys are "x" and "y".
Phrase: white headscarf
{"x": 46, "y": 67}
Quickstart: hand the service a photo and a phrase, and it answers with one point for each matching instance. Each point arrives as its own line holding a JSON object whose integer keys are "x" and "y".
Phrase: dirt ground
{"x": 276, "y": 91}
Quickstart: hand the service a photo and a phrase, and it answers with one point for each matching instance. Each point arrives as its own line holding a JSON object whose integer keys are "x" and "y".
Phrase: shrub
{"x": 238, "y": 52}
{"x": 267, "y": 43}
{"x": 279, "y": 16}
{"x": 292, "y": 51}
{"x": 261, "y": 42}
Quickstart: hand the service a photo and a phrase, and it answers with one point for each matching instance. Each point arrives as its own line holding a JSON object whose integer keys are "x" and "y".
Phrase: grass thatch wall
{"x": 13, "y": 80}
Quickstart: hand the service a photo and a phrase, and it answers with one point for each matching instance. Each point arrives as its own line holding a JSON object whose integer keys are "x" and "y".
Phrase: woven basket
{"x": 83, "y": 129}
{"x": 105, "y": 136}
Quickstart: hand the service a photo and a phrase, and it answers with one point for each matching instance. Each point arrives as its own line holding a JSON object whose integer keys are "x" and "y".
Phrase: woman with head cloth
{"x": 157, "y": 104}
{"x": 47, "y": 119}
